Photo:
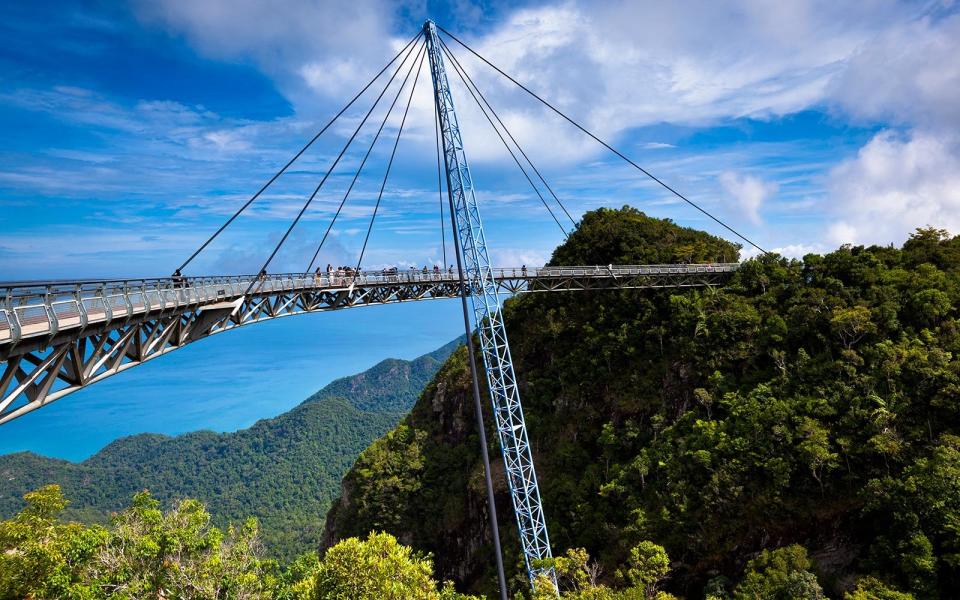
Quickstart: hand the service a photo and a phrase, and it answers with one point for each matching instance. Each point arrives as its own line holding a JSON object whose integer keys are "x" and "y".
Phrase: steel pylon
{"x": 488, "y": 318}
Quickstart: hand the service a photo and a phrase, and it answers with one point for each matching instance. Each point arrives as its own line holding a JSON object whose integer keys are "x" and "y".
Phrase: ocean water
{"x": 229, "y": 381}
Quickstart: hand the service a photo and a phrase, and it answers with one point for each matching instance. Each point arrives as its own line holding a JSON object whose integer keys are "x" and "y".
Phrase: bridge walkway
{"x": 57, "y": 337}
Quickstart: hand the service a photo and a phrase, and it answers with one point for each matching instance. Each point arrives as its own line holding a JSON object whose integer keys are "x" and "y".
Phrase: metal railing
{"x": 33, "y": 308}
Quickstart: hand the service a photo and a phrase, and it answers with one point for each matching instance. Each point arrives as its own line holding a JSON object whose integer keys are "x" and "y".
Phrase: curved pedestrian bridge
{"x": 59, "y": 336}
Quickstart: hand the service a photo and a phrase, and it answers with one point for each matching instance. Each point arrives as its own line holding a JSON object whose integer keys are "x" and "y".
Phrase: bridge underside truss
{"x": 58, "y": 338}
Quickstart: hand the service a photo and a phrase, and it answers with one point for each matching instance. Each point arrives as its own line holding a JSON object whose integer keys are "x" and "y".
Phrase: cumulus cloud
{"x": 305, "y": 45}
{"x": 626, "y": 64}
{"x": 623, "y": 65}
{"x": 908, "y": 74}
{"x": 517, "y": 257}
{"x": 748, "y": 191}
{"x": 897, "y": 183}
{"x": 797, "y": 251}
{"x": 616, "y": 65}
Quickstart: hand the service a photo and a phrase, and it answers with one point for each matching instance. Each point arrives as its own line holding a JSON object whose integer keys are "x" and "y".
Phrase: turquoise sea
{"x": 229, "y": 381}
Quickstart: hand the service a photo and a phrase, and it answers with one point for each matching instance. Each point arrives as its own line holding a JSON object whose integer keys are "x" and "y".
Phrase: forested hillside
{"x": 147, "y": 551}
{"x": 283, "y": 471}
{"x": 808, "y": 409}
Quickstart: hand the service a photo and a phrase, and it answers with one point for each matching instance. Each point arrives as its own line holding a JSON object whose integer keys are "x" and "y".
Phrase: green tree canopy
{"x": 378, "y": 568}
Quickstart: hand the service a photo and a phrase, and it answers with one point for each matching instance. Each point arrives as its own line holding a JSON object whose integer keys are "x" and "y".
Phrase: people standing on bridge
{"x": 178, "y": 279}
{"x": 523, "y": 270}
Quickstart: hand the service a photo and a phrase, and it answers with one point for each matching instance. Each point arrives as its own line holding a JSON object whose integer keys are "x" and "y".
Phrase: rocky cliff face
{"x": 424, "y": 481}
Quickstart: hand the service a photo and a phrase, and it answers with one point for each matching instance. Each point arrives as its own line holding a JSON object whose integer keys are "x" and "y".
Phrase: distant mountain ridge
{"x": 284, "y": 470}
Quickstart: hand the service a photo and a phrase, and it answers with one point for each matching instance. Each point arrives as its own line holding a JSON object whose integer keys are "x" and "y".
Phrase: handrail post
{"x": 84, "y": 319}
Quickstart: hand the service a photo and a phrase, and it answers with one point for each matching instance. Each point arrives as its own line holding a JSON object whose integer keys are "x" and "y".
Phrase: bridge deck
{"x": 57, "y": 337}
{"x": 37, "y": 308}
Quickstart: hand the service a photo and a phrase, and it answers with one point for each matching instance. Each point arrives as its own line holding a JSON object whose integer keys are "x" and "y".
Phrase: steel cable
{"x": 604, "y": 144}
{"x": 294, "y": 159}
{"x": 443, "y": 233}
{"x": 389, "y": 165}
{"x": 364, "y": 161}
{"x": 309, "y": 201}
{"x": 506, "y": 145}
{"x": 463, "y": 71}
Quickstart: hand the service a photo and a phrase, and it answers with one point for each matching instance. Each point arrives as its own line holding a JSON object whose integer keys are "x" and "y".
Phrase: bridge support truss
{"x": 495, "y": 349}
{"x": 58, "y": 337}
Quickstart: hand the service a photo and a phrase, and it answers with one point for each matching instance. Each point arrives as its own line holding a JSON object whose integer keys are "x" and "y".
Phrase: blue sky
{"x": 132, "y": 130}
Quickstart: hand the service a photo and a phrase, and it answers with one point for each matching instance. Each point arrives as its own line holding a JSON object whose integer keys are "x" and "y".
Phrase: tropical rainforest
{"x": 801, "y": 420}
{"x": 284, "y": 471}
{"x": 794, "y": 433}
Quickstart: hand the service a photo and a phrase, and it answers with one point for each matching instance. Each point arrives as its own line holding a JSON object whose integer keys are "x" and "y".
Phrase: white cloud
{"x": 895, "y": 184}
{"x": 789, "y": 250}
{"x": 842, "y": 232}
{"x": 226, "y": 140}
{"x": 800, "y": 250}
{"x": 748, "y": 191}
{"x": 327, "y": 77}
{"x": 623, "y": 65}
{"x": 908, "y": 74}
{"x": 627, "y": 64}
{"x": 615, "y": 66}
{"x": 327, "y": 47}
{"x": 518, "y": 257}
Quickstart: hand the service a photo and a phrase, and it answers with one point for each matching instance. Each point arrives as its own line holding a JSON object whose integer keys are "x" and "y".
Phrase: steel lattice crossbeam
{"x": 57, "y": 337}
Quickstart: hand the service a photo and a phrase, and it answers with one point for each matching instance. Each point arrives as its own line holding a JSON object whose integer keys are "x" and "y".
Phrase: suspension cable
{"x": 463, "y": 70}
{"x": 364, "y": 161}
{"x": 443, "y": 232}
{"x": 386, "y": 175}
{"x": 309, "y": 201}
{"x": 294, "y": 159}
{"x": 506, "y": 145}
{"x": 604, "y": 144}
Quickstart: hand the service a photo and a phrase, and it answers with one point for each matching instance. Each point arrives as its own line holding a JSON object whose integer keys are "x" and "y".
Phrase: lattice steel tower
{"x": 497, "y": 362}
